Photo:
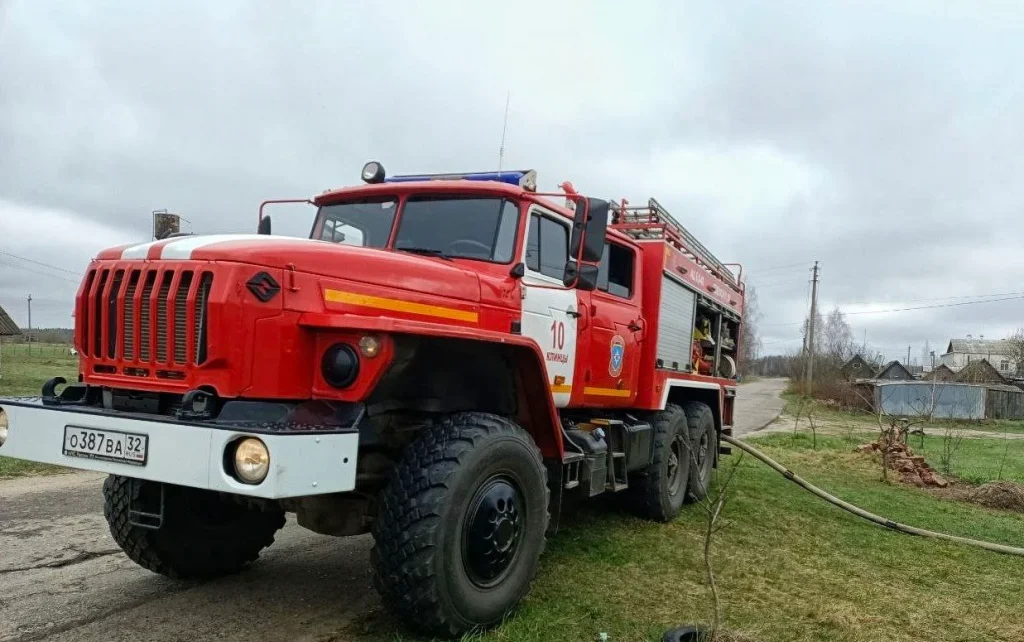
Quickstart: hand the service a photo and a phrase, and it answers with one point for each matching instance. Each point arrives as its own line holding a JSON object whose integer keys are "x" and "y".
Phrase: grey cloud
{"x": 900, "y": 122}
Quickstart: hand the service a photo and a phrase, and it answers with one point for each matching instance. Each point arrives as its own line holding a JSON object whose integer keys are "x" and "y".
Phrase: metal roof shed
{"x": 8, "y": 328}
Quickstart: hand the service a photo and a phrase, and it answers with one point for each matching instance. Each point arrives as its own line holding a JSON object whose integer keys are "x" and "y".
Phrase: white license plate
{"x": 109, "y": 445}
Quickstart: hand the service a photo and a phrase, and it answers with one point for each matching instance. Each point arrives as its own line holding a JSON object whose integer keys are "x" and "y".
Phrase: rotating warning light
{"x": 527, "y": 178}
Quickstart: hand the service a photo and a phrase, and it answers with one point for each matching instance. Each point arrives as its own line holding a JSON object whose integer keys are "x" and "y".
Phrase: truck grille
{"x": 145, "y": 315}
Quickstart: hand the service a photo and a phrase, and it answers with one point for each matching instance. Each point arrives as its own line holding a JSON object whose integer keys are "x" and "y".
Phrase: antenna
{"x": 504, "y": 128}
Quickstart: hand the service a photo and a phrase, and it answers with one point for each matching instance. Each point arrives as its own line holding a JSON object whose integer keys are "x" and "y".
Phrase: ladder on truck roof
{"x": 652, "y": 221}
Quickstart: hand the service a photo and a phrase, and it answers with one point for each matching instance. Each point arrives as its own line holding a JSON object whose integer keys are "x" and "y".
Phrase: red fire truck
{"x": 444, "y": 362}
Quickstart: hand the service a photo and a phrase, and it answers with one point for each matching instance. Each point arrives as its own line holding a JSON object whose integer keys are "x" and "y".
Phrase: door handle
{"x": 634, "y": 326}
{"x": 573, "y": 313}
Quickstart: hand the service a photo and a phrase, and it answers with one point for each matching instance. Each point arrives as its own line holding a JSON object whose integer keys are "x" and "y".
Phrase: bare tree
{"x": 750, "y": 340}
{"x": 713, "y": 505}
{"x": 1015, "y": 348}
{"x": 836, "y": 338}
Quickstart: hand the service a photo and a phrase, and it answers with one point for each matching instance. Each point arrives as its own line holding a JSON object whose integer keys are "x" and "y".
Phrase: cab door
{"x": 550, "y": 310}
{"x": 616, "y": 329}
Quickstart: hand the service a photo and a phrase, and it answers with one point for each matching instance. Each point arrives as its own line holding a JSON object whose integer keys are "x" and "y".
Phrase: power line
{"x": 940, "y": 305}
{"x": 46, "y": 265}
{"x": 779, "y": 267}
{"x": 946, "y": 298}
{"x": 41, "y": 273}
{"x": 910, "y": 309}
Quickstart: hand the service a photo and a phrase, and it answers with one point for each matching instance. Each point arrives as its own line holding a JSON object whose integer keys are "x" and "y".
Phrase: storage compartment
{"x": 675, "y": 325}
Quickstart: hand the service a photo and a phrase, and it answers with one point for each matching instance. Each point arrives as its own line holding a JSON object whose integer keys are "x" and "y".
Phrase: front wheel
{"x": 203, "y": 533}
{"x": 460, "y": 527}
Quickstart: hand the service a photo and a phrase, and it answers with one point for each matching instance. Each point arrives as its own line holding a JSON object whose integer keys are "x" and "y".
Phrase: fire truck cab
{"x": 442, "y": 363}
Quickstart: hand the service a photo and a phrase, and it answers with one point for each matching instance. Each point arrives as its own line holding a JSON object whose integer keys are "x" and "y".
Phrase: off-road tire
{"x": 186, "y": 546}
{"x": 659, "y": 490}
{"x": 421, "y": 546}
{"x": 704, "y": 448}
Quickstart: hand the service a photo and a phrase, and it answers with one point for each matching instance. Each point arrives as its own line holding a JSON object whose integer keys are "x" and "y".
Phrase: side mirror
{"x": 582, "y": 276}
{"x": 264, "y": 226}
{"x": 589, "y": 226}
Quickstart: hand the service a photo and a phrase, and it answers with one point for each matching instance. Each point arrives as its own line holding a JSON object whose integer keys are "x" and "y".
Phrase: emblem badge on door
{"x": 618, "y": 354}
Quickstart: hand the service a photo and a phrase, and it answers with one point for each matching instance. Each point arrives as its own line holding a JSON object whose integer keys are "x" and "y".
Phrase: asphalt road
{"x": 757, "y": 404}
{"x": 62, "y": 577}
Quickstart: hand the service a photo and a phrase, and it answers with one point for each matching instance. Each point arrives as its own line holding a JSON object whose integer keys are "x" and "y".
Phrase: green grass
{"x": 23, "y": 369}
{"x": 789, "y": 566}
{"x": 977, "y": 460}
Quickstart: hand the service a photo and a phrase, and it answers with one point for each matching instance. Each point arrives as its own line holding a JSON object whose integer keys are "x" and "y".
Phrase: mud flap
{"x": 147, "y": 506}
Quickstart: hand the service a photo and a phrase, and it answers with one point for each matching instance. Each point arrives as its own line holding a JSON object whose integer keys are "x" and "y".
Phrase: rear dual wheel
{"x": 685, "y": 443}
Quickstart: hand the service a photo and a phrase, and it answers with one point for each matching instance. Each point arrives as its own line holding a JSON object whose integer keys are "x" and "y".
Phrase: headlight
{"x": 340, "y": 365}
{"x": 252, "y": 460}
{"x": 3, "y": 426}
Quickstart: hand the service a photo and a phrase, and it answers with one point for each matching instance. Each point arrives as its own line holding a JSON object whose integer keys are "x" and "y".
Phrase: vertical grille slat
{"x": 97, "y": 320}
{"x": 203, "y": 296}
{"x": 85, "y": 314}
{"x": 129, "y": 316}
{"x": 115, "y": 290}
{"x": 145, "y": 313}
{"x": 161, "y": 316}
{"x": 181, "y": 318}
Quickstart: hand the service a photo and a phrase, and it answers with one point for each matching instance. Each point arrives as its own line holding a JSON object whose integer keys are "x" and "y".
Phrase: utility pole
{"x": 810, "y": 331}
{"x": 908, "y": 356}
{"x": 30, "y": 314}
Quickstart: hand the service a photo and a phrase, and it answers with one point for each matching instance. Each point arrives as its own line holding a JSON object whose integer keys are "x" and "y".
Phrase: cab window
{"x": 615, "y": 275}
{"x": 547, "y": 246}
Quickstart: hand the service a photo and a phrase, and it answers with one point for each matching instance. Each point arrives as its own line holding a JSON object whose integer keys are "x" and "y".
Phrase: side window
{"x": 533, "y": 244}
{"x": 547, "y": 246}
{"x": 615, "y": 275}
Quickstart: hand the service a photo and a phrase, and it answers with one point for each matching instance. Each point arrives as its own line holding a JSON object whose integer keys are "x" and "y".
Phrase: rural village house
{"x": 895, "y": 371}
{"x": 961, "y": 352}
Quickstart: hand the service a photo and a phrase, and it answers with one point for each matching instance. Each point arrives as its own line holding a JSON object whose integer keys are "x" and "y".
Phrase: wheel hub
{"x": 675, "y": 454}
{"x": 493, "y": 531}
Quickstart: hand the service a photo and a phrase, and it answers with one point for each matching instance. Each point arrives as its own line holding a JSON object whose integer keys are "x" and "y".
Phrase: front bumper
{"x": 302, "y": 461}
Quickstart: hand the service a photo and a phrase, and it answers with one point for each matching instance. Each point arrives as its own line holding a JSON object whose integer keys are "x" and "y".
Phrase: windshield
{"x": 473, "y": 227}
{"x": 366, "y": 223}
{"x": 470, "y": 228}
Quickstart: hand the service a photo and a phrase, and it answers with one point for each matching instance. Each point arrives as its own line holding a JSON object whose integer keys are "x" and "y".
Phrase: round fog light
{"x": 252, "y": 460}
{"x": 369, "y": 346}
{"x": 3, "y": 426}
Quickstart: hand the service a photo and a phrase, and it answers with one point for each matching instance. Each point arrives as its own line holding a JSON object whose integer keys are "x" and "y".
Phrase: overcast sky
{"x": 884, "y": 141}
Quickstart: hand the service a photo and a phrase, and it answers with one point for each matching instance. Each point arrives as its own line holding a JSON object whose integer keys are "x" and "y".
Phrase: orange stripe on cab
{"x": 400, "y": 305}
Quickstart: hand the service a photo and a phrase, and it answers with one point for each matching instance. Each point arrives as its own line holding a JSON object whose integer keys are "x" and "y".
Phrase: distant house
{"x": 940, "y": 373}
{"x": 980, "y": 371}
{"x": 895, "y": 371}
{"x": 961, "y": 352}
{"x": 857, "y": 368}
{"x": 8, "y": 328}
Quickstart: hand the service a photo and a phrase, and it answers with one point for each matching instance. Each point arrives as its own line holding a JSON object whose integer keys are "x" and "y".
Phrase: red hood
{"x": 367, "y": 265}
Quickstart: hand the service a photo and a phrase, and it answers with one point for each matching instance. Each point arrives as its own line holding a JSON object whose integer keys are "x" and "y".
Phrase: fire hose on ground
{"x": 860, "y": 512}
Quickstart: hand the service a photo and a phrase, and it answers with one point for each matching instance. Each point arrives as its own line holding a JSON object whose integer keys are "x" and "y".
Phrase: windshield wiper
{"x": 429, "y": 251}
